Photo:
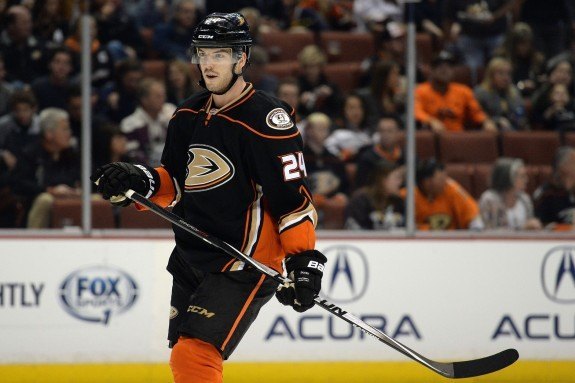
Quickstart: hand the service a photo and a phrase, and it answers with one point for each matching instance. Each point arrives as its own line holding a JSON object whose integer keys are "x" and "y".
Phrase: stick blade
{"x": 485, "y": 365}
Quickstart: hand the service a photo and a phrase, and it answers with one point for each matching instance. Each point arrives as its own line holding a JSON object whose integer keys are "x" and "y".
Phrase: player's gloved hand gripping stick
{"x": 463, "y": 369}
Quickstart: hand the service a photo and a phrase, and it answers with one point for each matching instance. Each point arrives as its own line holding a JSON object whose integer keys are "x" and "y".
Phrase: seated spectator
{"x": 255, "y": 21}
{"x": 476, "y": 28}
{"x": 50, "y": 23}
{"x": 354, "y": 133}
{"x": 499, "y": 98}
{"x": 355, "y": 114}
{"x": 325, "y": 171}
{"x": 172, "y": 39}
{"x": 146, "y": 128}
{"x": 48, "y": 168}
{"x": 428, "y": 19}
{"x": 288, "y": 91}
{"x": 180, "y": 83}
{"x": 443, "y": 105}
{"x": 527, "y": 63}
{"x": 506, "y": 205}
{"x": 559, "y": 70}
{"x": 554, "y": 201}
{"x": 149, "y": 13}
{"x": 317, "y": 93}
{"x": 440, "y": 202}
{"x": 5, "y": 89}
{"x": 377, "y": 205}
{"x": 256, "y": 74}
{"x": 386, "y": 148}
{"x": 75, "y": 114}
{"x": 24, "y": 55}
{"x": 118, "y": 30}
{"x": 52, "y": 90}
{"x": 102, "y": 62}
{"x": 550, "y": 22}
{"x": 376, "y": 16}
{"x": 119, "y": 99}
{"x": 337, "y": 15}
{"x": 386, "y": 93}
{"x": 110, "y": 145}
{"x": 18, "y": 128}
{"x": 560, "y": 114}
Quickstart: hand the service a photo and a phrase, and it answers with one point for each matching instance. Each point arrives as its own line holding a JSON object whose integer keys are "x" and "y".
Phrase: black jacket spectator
{"x": 24, "y": 55}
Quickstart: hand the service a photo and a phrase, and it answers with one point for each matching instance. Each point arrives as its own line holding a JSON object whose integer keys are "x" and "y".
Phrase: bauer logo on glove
{"x": 305, "y": 269}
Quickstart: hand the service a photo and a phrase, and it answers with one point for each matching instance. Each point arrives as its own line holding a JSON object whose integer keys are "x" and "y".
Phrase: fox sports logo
{"x": 97, "y": 293}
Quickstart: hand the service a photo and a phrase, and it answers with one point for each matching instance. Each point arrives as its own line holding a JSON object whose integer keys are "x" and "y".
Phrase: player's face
{"x": 216, "y": 65}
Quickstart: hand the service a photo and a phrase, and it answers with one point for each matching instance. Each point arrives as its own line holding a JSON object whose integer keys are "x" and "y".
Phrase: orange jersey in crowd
{"x": 456, "y": 108}
{"x": 453, "y": 209}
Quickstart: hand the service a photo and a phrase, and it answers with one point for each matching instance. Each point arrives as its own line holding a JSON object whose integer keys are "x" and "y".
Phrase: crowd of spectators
{"x": 519, "y": 55}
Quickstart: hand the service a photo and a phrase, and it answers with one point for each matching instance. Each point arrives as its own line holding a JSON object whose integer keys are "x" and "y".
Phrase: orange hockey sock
{"x": 195, "y": 361}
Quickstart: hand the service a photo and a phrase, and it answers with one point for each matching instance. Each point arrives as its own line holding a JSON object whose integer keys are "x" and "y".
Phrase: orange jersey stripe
{"x": 298, "y": 238}
{"x": 167, "y": 192}
{"x": 255, "y": 131}
{"x": 240, "y": 316}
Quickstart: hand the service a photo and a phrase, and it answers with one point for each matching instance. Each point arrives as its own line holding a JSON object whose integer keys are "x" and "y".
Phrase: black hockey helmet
{"x": 222, "y": 30}
{"x": 228, "y": 30}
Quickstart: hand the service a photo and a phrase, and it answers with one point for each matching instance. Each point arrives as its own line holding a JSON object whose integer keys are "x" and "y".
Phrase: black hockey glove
{"x": 305, "y": 269}
{"x": 115, "y": 179}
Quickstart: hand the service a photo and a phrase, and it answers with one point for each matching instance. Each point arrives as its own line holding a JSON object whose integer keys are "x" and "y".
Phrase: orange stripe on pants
{"x": 195, "y": 361}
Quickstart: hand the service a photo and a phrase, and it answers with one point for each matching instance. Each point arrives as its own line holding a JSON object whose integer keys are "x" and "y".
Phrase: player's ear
{"x": 241, "y": 64}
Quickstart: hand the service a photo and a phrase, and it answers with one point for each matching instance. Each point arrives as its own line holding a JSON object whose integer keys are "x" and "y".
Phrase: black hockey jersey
{"x": 238, "y": 173}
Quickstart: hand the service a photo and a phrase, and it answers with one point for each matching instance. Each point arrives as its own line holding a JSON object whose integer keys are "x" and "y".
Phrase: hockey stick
{"x": 463, "y": 369}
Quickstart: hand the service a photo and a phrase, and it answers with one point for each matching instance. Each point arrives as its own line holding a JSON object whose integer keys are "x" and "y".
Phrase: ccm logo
{"x": 201, "y": 311}
{"x": 205, "y": 37}
{"x": 316, "y": 265}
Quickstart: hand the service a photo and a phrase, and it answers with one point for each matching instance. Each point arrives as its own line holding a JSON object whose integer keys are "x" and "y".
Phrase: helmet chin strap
{"x": 235, "y": 77}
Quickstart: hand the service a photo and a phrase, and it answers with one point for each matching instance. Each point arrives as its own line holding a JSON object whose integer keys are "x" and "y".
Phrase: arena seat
{"x": 535, "y": 148}
{"x": 285, "y": 46}
{"x": 154, "y": 68}
{"x": 462, "y": 74}
{"x": 463, "y": 174}
{"x": 424, "y": 46}
{"x": 569, "y": 139}
{"x": 346, "y": 46}
{"x": 282, "y": 69}
{"x": 68, "y": 212}
{"x": 481, "y": 179}
{"x": 130, "y": 218}
{"x": 544, "y": 174}
{"x": 344, "y": 75}
{"x": 333, "y": 212}
{"x": 468, "y": 147}
{"x": 425, "y": 144}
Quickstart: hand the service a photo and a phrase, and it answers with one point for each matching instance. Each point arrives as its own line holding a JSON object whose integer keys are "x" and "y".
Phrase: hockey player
{"x": 232, "y": 166}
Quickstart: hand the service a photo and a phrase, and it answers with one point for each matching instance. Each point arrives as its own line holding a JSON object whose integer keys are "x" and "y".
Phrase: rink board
{"x": 320, "y": 372}
{"x": 100, "y": 306}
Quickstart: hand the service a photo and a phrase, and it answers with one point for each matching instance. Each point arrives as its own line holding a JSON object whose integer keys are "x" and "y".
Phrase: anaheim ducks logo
{"x": 207, "y": 168}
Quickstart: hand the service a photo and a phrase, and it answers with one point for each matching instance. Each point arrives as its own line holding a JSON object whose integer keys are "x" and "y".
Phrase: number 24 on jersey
{"x": 293, "y": 166}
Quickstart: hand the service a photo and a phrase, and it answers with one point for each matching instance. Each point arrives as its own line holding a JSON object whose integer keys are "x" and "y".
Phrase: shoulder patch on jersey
{"x": 279, "y": 119}
{"x": 207, "y": 168}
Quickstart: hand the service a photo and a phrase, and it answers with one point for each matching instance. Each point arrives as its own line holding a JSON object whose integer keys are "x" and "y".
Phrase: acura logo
{"x": 346, "y": 274}
{"x": 558, "y": 274}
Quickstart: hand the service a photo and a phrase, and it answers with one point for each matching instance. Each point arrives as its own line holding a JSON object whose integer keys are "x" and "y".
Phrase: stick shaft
{"x": 444, "y": 369}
